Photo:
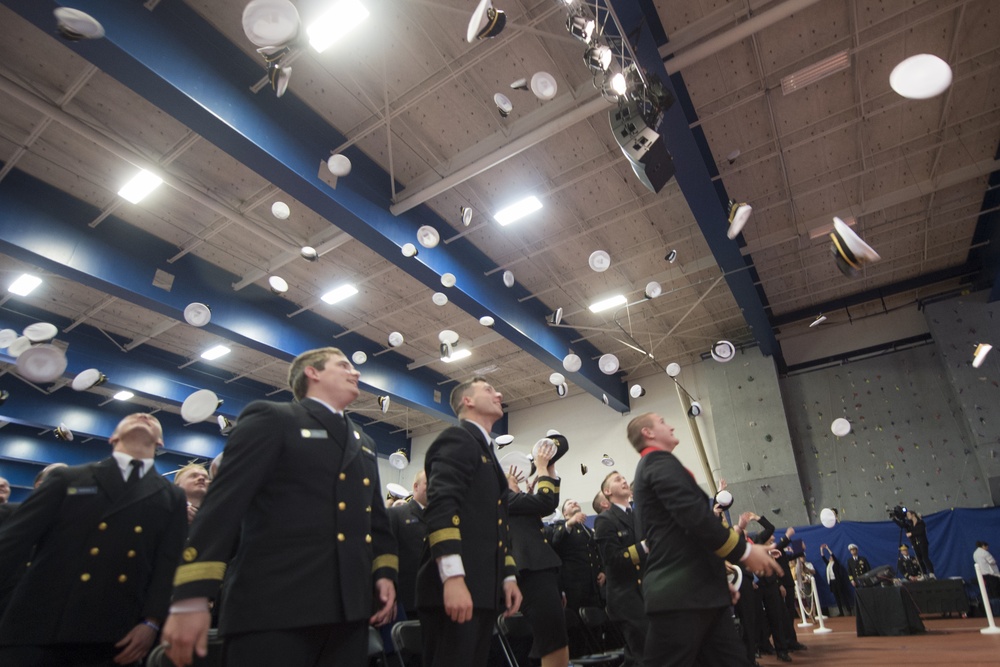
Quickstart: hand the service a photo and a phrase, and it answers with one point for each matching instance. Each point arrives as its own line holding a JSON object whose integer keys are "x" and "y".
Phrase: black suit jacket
{"x": 687, "y": 542}
{"x": 407, "y": 523}
{"x": 103, "y": 558}
{"x": 299, "y": 503}
{"x": 624, "y": 559}
{"x": 466, "y": 514}
{"x": 581, "y": 563}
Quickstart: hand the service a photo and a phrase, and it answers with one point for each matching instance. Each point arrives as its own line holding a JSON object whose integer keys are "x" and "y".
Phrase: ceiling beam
{"x": 181, "y": 64}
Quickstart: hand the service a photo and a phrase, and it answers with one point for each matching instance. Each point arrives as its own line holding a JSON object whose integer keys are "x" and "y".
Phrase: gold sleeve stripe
{"x": 547, "y": 485}
{"x": 387, "y": 560}
{"x": 634, "y": 554}
{"x": 443, "y": 535}
{"x": 509, "y": 560}
{"x": 729, "y": 545}
{"x": 199, "y": 571}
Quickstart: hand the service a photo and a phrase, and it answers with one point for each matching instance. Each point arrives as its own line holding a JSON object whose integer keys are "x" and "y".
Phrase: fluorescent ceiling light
{"x": 838, "y": 62}
{"x": 24, "y": 285}
{"x": 457, "y": 354}
{"x": 518, "y": 210}
{"x": 610, "y": 302}
{"x": 141, "y": 185}
{"x": 337, "y": 21}
{"x": 339, "y": 293}
{"x": 123, "y": 395}
{"x": 215, "y": 352}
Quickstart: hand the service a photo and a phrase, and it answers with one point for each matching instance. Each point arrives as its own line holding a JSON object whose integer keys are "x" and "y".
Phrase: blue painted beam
{"x": 46, "y": 227}
{"x": 178, "y": 62}
{"x": 694, "y": 170}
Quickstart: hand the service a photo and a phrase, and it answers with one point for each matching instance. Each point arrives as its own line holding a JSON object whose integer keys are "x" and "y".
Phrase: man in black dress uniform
{"x": 580, "y": 576}
{"x": 687, "y": 595}
{"x": 467, "y": 573}
{"x": 407, "y": 522}
{"x": 624, "y": 558}
{"x": 298, "y": 501}
{"x": 103, "y": 540}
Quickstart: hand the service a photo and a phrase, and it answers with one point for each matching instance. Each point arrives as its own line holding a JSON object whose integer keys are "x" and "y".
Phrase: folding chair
{"x": 376, "y": 651}
{"x": 517, "y": 626}
{"x": 601, "y": 633}
{"x": 157, "y": 657}
{"x": 408, "y": 640}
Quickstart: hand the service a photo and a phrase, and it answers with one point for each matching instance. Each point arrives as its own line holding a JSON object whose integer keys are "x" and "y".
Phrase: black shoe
{"x": 766, "y": 650}
{"x": 783, "y": 656}
{"x": 798, "y": 647}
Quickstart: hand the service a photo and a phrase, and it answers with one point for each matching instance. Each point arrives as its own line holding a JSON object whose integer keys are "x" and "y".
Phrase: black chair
{"x": 601, "y": 633}
{"x": 517, "y": 627}
{"x": 376, "y": 651}
{"x": 157, "y": 657}
{"x": 407, "y": 640}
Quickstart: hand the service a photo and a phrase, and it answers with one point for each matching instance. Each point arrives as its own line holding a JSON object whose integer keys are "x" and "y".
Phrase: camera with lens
{"x": 898, "y": 516}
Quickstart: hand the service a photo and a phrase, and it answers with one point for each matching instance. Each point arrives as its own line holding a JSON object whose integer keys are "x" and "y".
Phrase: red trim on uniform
{"x": 649, "y": 450}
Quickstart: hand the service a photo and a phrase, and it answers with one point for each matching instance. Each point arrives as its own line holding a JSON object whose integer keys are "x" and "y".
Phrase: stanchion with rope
{"x": 802, "y": 608}
{"x": 822, "y": 629}
{"x": 992, "y": 629}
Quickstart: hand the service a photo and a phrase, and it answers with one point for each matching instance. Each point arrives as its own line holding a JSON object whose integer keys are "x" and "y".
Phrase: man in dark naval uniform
{"x": 298, "y": 501}
{"x": 467, "y": 573}
{"x": 687, "y": 595}
{"x": 407, "y": 522}
{"x": 103, "y": 539}
{"x": 580, "y": 576}
{"x": 624, "y": 558}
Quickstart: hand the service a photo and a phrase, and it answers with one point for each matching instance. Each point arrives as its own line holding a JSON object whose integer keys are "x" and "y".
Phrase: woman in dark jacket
{"x": 917, "y": 532}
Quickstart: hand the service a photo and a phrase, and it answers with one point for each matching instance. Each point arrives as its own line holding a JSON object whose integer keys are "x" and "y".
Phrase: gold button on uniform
{"x": 368, "y": 509}
{"x": 341, "y": 537}
{"x": 138, "y": 529}
{"x": 500, "y": 543}
{"x": 122, "y": 578}
{"x": 368, "y": 539}
{"x": 366, "y": 481}
{"x": 131, "y": 553}
{"x": 499, "y": 502}
{"x": 102, "y": 526}
{"x": 95, "y": 551}
{"x": 342, "y": 506}
{"x": 343, "y": 477}
{"x": 84, "y": 577}
{"x": 499, "y": 522}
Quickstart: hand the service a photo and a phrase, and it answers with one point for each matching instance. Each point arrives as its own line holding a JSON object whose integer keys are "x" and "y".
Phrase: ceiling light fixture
{"x": 598, "y": 58}
{"x": 140, "y": 186}
{"x": 24, "y": 285}
{"x": 517, "y": 210}
{"x": 339, "y": 294}
{"x": 838, "y": 62}
{"x": 464, "y": 353}
{"x": 618, "y": 83}
{"x": 342, "y": 17}
{"x": 580, "y": 26}
{"x": 123, "y": 395}
{"x": 606, "y": 304}
{"x": 213, "y": 353}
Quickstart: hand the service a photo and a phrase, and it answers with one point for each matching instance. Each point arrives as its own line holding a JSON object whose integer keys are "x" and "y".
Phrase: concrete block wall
{"x": 907, "y": 445}
{"x": 957, "y": 326}
{"x": 752, "y": 438}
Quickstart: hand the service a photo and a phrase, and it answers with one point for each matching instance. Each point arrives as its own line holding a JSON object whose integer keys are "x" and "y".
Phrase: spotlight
{"x": 671, "y": 256}
{"x": 598, "y": 58}
{"x": 580, "y": 26}
{"x": 695, "y": 409}
{"x": 618, "y": 84}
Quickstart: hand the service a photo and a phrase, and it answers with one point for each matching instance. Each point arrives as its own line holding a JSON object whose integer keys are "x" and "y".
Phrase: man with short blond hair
{"x": 103, "y": 539}
{"x": 300, "y": 505}
{"x": 193, "y": 481}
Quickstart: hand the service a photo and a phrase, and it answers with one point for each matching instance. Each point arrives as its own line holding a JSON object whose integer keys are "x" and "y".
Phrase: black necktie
{"x": 134, "y": 474}
{"x": 628, "y": 511}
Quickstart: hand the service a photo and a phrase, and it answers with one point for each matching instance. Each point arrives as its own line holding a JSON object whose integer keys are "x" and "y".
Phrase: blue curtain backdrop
{"x": 952, "y": 535}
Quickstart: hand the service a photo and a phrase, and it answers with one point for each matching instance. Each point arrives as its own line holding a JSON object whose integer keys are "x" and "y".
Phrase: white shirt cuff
{"x": 189, "y": 605}
{"x": 450, "y": 566}
{"x": 511, "y": 578}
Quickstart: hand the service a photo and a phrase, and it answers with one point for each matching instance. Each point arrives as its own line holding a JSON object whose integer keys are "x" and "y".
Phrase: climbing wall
{"x": 958, "y": 326}
{"x": 752, "y": 436}
{"x": 908, "y": 444}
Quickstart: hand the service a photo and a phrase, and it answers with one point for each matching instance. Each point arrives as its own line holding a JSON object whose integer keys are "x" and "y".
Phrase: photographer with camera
{"x": 916, "y": 531}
